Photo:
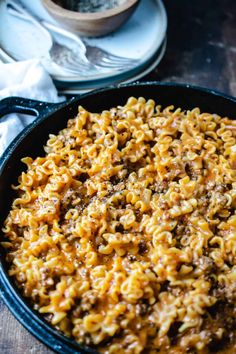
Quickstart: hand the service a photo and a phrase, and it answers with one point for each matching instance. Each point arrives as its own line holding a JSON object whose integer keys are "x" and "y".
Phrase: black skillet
{"x": 50, "y": 118}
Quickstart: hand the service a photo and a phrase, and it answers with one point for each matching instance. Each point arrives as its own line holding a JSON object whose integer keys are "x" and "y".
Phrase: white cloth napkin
{"x": 26, "y": 79}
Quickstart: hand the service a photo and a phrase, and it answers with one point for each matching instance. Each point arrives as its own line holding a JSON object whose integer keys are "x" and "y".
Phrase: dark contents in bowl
{"x": 89, "y": 5}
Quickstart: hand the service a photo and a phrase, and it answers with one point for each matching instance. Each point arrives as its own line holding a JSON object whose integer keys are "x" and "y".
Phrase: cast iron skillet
{"x": 50, "y": 119}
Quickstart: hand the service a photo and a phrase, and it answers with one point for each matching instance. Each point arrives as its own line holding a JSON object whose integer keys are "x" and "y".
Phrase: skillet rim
{"x": 9, "y": 150}
{"x": 9, "y": 293}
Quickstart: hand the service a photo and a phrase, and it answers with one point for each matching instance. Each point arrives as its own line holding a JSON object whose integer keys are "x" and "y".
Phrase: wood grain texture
{"x": 201, "y": 50}
{"x": 14, "y": 338}
{"x": 201, "y": 47}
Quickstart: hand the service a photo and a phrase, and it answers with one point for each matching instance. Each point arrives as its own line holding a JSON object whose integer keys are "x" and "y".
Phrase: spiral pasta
{"x": 124, "y": 234}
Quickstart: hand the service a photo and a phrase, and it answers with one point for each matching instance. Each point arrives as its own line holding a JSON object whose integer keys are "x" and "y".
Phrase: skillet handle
{"x": 26, "y": 106}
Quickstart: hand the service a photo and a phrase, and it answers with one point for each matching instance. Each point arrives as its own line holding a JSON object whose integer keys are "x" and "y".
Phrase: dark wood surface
{"x": 201, "y": 50}
{"x": 201, "y": 47}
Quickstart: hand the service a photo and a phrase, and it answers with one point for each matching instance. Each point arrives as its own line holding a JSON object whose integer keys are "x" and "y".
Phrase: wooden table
{"x": 201, "y": 50}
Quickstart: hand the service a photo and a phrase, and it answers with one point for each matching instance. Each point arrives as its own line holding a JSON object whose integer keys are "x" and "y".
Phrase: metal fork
{"x": 77, "y": 56}
{"x": 100, "y": 58}
{"x": 70, "y": 57}
{"x": 104, "y": 59}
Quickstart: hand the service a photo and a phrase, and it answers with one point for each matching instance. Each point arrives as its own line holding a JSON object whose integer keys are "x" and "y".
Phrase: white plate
{"x": 139, "y": 38}
{"x": 146, "y": 71}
